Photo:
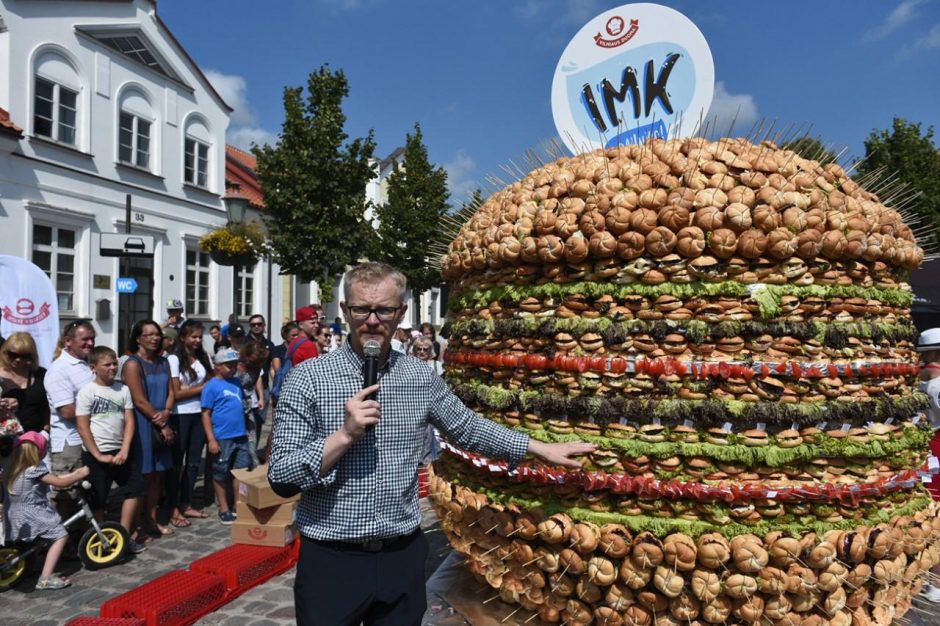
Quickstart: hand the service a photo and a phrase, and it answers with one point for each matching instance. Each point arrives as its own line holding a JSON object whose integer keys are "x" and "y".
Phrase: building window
{"x": 197, "y": 283}
{"x": 54, "y": 253}
{"x": 246, "y": 290}
{"x": 134, "y": 140}
{"x": 55, "y": 111}
{"x": 196, "y": 163}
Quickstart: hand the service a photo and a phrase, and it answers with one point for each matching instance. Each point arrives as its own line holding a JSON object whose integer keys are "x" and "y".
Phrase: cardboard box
{"x": 252, "y": 534}
{"x": 254, "y": 489}
{"x": 277, "y": 514}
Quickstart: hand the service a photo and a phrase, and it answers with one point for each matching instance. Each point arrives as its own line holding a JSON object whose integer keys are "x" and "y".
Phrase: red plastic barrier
{"x": 242, "y": 567}
{"x": 90, "y": 620}
{"x": 175, "y": 599}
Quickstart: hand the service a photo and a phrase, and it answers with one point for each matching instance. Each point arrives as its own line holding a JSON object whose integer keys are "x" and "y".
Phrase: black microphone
{"x": 370, "y": 366}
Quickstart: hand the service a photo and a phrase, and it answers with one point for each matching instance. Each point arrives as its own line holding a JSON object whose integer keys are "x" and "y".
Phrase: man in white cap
{"x": 402, "y": 338}
{"x": 174, "y": 314}
{"x": 928, "y": 345}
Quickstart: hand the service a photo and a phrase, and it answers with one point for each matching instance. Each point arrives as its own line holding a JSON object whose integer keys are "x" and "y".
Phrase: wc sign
{"x": 633, "y": 72}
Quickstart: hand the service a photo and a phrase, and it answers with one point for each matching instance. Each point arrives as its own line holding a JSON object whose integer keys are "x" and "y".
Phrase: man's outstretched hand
{"x": 560, "y": 453}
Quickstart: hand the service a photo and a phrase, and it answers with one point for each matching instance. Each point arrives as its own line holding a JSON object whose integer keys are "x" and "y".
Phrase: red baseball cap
{"x": 306, "y": 313}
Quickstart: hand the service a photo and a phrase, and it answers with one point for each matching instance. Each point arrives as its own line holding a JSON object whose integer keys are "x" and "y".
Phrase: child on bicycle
{"x": 31, "y": 515}
{"x": 223, "y": 419}
{"x": 104, "y": 416}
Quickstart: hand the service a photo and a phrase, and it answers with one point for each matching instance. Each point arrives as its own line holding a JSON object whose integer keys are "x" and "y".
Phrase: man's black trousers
{"x": 341, "y": 584}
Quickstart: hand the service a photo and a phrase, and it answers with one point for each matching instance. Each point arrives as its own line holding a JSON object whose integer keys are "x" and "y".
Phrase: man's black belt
{"x": 372, "y": 545}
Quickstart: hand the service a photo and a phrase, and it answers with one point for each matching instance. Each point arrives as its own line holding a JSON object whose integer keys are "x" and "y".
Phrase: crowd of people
{"x": 142, "y": 426}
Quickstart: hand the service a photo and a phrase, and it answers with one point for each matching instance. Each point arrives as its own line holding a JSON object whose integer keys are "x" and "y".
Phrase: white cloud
{"x": 729, "y": 107}
{"x": 930, "y": 40}
{"x": 244, "y": 137}
{"x": 243, "y": 123}
{"x": 460, "y": 177}
{"x": 901, "y": 15}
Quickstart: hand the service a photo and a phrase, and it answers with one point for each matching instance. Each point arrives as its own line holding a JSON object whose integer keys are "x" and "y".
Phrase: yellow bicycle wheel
{"x": 9, "y": 574}
{"x": 96, "y": 553}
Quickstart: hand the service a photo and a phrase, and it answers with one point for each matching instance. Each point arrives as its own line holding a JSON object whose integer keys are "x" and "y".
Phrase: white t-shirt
{"x": 105, "y": 406}
{"x": 65, "y": 377}
{"x": 192, "y": 405}
{"x": 932, "y": 389}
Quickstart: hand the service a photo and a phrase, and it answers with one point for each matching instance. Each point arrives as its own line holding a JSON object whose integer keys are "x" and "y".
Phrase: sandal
{"x": 180, "y": 522}
{"x": 195, "y": 514}
{"x": 163, "y": 530}
{"x": 53, "y": 582}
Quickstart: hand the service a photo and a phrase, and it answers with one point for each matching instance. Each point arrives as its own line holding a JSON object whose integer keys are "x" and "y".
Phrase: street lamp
{"x": 236, "y": 207}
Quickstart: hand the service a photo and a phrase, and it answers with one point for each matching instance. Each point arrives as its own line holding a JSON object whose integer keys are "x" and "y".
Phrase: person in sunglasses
{"x": 23, "y": 380}
{"x": 355, "y": 459}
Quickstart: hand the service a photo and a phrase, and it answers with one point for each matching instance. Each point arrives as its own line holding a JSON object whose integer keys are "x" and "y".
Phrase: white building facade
{"x": 112, "y": 107}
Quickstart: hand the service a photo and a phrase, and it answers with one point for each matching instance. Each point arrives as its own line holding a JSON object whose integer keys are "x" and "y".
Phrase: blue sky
{"x": 477, "y": 74}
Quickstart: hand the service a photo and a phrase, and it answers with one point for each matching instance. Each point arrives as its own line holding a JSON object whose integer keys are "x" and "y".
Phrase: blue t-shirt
{"x": 223, "y": 396}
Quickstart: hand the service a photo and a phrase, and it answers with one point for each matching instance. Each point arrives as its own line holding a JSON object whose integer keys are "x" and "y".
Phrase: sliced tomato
{"x": 669, "y": 366}
{"x": 655, "y": 367}
{"x": 618, "y": 365}
{"x": 764, "y": 370}
{"x": 598, "y": 363}
{"x": 748, "y": 373}
{"x": 833, "y": 370}
{"x": 681, "y": 368}
{"x": 813, "y": 372}
{"x": 781, "y": 367}
{"x": 581, "y": 363}
{"x": 724, "y": 370}
{"x": 795, "y": 370}
{"x": 535, "y": 361}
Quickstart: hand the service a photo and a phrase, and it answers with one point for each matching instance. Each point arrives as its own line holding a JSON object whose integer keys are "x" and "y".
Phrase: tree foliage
{"x": 314, "y": 183}
{"x": 911, "y": 157}
{"x": 410, "y": 220}
{"x": 811, "y": 148}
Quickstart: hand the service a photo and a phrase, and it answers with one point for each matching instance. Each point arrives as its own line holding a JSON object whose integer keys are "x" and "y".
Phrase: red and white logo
{"x": 26, "y": 313}
{"x": 615, "y": 28}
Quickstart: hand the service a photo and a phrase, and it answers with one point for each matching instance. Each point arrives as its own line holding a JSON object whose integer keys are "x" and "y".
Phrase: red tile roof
{"x": 240, "y": 169}
{"x": 7, "y": 125}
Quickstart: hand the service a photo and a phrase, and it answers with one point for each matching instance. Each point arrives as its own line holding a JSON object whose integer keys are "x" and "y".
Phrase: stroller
{"x": 101, "y": 545}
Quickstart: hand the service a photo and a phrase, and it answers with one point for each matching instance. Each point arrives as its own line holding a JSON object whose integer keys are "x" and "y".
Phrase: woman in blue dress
{"x": 147, "y": 375}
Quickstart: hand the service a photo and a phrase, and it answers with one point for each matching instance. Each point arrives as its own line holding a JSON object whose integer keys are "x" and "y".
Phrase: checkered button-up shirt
{"x": 372, "y": 491}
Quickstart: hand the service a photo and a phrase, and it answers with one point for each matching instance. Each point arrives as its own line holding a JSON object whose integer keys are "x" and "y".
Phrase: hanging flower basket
{"x": 224, "y": 258}
{"x": 235, "y": 244}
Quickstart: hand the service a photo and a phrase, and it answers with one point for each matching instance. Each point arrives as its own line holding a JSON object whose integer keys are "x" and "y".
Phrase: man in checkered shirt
{"x": 354, "y": 459}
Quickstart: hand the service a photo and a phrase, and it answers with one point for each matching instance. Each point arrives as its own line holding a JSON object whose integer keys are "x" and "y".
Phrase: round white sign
{"x": 632, "y": 72}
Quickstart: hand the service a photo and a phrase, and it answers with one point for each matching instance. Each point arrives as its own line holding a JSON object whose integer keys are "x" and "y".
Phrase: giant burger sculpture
{"x": 729, "y": 322}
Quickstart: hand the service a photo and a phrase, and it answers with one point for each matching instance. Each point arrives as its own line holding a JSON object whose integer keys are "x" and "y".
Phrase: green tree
{"x": 314, "y": 183}
{"x": 811, "y": 148}
{"x": 411, "y": 220}
{"x": 911, "y": 157}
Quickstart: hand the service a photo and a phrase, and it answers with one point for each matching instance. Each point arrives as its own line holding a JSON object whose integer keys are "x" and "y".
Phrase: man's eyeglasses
{"x": 254, "y": 324}
{"x": 384, "y": 313}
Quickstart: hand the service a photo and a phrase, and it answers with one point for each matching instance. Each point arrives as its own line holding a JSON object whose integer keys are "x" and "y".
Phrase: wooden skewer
{"x": 503, "y": 621}
{"x": 490, "y": 599}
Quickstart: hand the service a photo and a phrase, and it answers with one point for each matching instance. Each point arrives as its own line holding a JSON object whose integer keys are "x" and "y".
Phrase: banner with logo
{"x": 633, "y": 72}
{"x": 28, "y": 304}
